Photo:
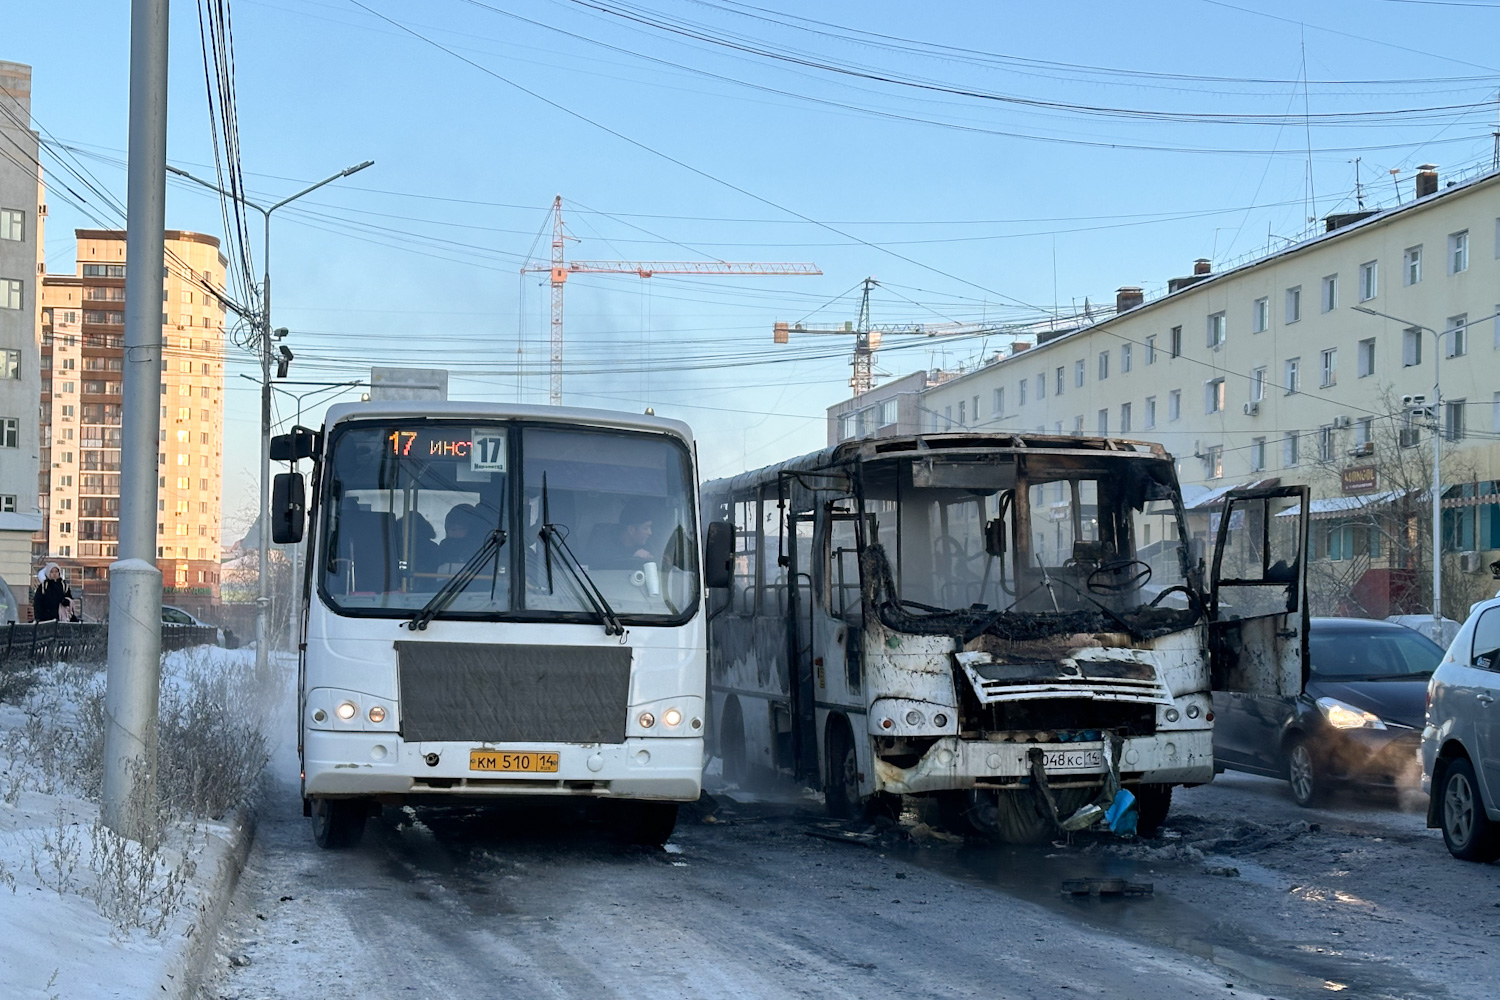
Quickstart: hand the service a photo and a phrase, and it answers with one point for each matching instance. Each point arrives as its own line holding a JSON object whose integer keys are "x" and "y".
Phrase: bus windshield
{"x": 406, "y": 505}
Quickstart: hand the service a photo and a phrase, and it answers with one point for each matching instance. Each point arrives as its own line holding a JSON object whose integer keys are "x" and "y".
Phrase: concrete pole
{"x": 263, "y": 592}
{"x": 1437, "y": 487}
{"x": 134, "y": 677}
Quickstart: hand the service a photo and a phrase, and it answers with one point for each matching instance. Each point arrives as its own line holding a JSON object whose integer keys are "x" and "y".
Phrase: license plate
{"x": 1073, "y": 760}
{"x": 510, "y": 760}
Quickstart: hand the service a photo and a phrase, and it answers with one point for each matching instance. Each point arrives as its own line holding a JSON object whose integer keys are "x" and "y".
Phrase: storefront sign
{"x": 1364, "y": 479}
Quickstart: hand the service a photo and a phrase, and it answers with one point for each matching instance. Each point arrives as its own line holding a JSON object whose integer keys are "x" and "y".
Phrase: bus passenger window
{"x": 742, "y": 586}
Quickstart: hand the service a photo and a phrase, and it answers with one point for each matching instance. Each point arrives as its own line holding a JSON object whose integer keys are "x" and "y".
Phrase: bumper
{"x": 1375, "y": 757}
{"x": 380, "y": 764}
{"x": 1177, "y": 757}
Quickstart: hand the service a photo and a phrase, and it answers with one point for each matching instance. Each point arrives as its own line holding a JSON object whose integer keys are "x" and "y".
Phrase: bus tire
{"x": 841, "y": 771}
{"x": 646, "y": 824}
{"x": 338, "y": 823}
{"x": 736, "y": 769}
{"x": 1152, "y": 802}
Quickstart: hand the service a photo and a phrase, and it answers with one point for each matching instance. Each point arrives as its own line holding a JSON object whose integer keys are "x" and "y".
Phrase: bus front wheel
{"x": 338, "y": 823}
{"x": 647, "y": 824}
{"x": 841, "y": 780}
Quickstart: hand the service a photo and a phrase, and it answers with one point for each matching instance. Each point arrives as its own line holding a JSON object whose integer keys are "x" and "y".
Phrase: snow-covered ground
{"x": 86, "y": 913}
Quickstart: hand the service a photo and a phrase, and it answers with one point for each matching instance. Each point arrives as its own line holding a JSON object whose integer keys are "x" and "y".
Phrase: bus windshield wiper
{"x": 552, "y": 537}
{"x": 458, "y": 581}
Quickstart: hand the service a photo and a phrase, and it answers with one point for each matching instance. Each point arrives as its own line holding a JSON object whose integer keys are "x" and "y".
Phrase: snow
{"x": 59, "y": 941}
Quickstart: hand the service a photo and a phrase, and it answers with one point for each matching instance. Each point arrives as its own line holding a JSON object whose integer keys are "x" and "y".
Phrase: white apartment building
{"x": 21, "y": 216}
{"x": 1270, "y": 371}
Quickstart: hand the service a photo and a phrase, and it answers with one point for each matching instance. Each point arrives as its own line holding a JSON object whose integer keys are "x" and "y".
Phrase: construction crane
{"x": 560, "y": 269}
{"x": 868, "y": 336}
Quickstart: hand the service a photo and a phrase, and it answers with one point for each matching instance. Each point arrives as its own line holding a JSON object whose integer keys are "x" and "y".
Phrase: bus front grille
{"x": 468, "y": 692}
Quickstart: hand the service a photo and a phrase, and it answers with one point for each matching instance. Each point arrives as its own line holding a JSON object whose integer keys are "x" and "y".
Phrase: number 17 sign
{"x": 488, "y": 451}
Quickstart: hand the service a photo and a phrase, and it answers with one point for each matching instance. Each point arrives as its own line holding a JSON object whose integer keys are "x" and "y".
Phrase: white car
{"x": 1461, "y": 741}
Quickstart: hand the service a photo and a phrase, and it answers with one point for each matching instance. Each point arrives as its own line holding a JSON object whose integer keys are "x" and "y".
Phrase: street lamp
{"x": 262, "y": 599}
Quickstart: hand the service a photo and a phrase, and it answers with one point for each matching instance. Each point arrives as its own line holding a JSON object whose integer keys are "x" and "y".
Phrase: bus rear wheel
{"x": 338, "y": 823}
{"x": 647, "y": 824}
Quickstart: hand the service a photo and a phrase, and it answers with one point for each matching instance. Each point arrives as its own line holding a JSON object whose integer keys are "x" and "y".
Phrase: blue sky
{"x": 987, "y": 162}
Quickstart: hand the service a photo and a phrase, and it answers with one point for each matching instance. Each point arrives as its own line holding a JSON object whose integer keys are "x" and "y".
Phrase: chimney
{"x": 1427, "y": 180}
{"x": 1201, "y": 269}
{"x": 1202, "y": 266}
{"x": 1127, "y": 298}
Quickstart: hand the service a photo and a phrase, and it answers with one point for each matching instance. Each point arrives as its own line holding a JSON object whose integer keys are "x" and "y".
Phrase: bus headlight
{"x": 647, "y": 720}
{"x": 671, "y": 717}
{"x": 346, "y": 710}
{"x": 377, "y": 713}
{"x": 914, "y": 717}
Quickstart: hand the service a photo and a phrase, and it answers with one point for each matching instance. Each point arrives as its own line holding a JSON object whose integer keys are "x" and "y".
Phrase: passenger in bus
{"x": 463, "y": 532}
{"x": 422, "y": 539}
{"x": 623, "y": 545}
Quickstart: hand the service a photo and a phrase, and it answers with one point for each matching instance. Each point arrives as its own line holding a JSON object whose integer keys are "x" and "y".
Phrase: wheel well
{"x": 1289, "y": 737}
{"x": 1453, "y": 750}
{"x": 835, "y": 720}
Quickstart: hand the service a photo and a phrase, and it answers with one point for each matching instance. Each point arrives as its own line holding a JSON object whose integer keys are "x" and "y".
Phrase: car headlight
{"x": 1344, "y": 716}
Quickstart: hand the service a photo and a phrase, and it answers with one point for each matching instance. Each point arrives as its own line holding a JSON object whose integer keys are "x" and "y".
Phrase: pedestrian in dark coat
{"x": 53, "y": 599}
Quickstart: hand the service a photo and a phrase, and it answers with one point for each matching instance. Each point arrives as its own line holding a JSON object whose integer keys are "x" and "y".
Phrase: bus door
{"x": 1258, "y": 608}
{"x": 798, "y": 732}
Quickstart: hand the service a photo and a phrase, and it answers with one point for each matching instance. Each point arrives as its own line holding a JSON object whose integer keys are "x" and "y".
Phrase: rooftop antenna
{"x": 1394, "y": 184}
{"x": 1359, "y": 194}
{"x": 1312, "y": 194}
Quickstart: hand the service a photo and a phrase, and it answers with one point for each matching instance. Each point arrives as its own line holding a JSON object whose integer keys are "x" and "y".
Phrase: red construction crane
{"x": 868, "y": 335}
{"x": 560, "y": 269}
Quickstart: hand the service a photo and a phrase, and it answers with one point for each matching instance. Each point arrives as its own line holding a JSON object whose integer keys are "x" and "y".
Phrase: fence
{"x": 82, "y": 642}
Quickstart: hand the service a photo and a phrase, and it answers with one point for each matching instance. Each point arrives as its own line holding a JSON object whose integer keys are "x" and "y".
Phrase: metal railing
{"x": 37, "y": 643}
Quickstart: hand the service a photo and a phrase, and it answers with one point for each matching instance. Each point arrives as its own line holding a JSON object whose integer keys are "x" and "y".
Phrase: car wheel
{"x": 1467, "y": 831}
{"x": 1304, "y": 775}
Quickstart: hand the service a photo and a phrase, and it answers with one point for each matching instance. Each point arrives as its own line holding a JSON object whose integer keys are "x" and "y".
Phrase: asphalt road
{"x": 1251, "y": 896}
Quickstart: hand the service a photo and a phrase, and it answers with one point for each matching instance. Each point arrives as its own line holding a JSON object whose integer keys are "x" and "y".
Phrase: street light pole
{"x": 262, "y": 598}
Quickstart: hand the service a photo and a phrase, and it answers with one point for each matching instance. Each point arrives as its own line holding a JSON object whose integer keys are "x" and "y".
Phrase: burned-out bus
{"x": 1012, "y": 624}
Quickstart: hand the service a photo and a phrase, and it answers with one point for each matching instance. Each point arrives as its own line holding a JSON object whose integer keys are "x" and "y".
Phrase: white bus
{"x": 1016, "y": 625}
{"x": 498, "y": 601}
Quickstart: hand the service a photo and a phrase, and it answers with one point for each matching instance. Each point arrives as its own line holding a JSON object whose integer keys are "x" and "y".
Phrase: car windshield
{"x": 407, "y": 504}
{"x": 1349, "y": 653}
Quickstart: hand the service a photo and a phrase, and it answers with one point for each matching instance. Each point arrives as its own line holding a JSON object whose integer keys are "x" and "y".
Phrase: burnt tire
{"x": 1304, "y": 775}
{"x": 1467, "y": 830}
{"x": 841, "y": 772}
{"x": 1152, "y": 803}
{"x": 339, "y": 823}
{"x": 732, "y": 745}
{"x": 645, "y": 824}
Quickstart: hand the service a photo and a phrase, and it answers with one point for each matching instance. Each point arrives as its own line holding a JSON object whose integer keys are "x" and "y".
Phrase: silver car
{"x": 1461, "y": 741}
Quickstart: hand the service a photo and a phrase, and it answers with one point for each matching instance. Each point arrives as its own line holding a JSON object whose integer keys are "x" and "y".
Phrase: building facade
{"x": 21, "y": 216}
{"x": 1273, "y": 371}
{"x": 82, "y": 363}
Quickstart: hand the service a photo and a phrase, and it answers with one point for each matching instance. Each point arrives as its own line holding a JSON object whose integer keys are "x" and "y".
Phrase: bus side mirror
{"x": 718, "y": 554}
{"x": 294, "y": 445}
{"x": 288, "y": 508}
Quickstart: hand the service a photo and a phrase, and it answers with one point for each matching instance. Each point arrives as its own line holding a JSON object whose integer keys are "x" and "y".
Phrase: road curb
{"x": 186, "y": 967}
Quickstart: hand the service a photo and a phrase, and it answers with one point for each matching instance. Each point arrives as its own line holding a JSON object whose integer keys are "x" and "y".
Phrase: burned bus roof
{"x": 928, "y": 445}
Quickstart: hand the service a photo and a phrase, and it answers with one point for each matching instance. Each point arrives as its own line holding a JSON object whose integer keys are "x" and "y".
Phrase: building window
{"x": 1061, "y": 377}
{"x": 1213, "y": 397}
{"x": 1258, "y": 385}
{"x": 1216, "y": 330}
{"x": 1041, "y": 386}
{"x": 10, "y": 432}
{"x": 1124, "y": 418}
{"x": 1174, "y": 342}
{"x": 10, "y": 293}
{"x": 962, "y": 418}
{"x": 1125, "y": 353}
{"x": 1260, "y": 315}
{"x": 1458, "y": 252}
{"x": 1289, "y": 454}
{"x": 1292, "y": 382}
{"x": 1453, "y": 420}
{"x": 1325, "y": 443}
{"x": 1457, "y": 335}
{"x": 1103, "y": 423}
{"x": 888, "y": 411}
{"x": 1367, "y": 281}
{"x": 1151, "y": 349}
{"x": 1411, "y": 347}
{"x": 1294, "y": 304}
{"x": 1330, "y": 300}
{"x": 1103, "y": 365}
{"x": 12, "y": 224}
{"x": 1213, "y": 462}
{"x": 1174, "y": 404}
{"x": 7, "y": 503}
{"x": 1151, "y": 411}
{"x": 10, "y": 364}
{"x": 1364, "y": 431}
{"x": 1411, "y": 265}
{"x": 999, "y": 401}
{"x": 1078, "y": 372}
{"x": 1257, "y": 454}
{"x": 1021, "y": 396}
{"x": 1366, "y": 357}
{"x": 1328, "y": 368}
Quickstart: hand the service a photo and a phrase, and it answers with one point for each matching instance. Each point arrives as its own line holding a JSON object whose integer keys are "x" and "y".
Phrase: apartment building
{"x": 1272, "y": 371}
{"x": 82, "y": 364}
{"x": 21, "y": 216}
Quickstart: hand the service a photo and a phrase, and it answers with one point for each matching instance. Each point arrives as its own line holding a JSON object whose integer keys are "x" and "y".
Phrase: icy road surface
{"x": 1253, "y": 897}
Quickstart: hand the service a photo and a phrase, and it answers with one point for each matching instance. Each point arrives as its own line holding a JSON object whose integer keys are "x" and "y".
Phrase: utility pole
{"x": 131, "y": 700}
